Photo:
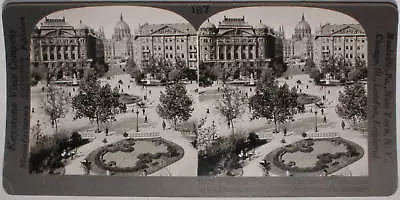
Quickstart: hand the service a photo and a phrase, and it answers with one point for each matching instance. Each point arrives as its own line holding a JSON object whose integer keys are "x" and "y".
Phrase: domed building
{"x": 301, "y": 45}
{"x": 302, "y": 30}
{"x": 121, "y": 44}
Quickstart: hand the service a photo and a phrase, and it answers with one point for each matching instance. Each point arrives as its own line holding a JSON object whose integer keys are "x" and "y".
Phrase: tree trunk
{"x": 276, "y": 126}
{"x": 175, "y": 125}
{"x": 233, "y": 128}
{"x": 98, "y": 125}
{"x": 55, "y": 123}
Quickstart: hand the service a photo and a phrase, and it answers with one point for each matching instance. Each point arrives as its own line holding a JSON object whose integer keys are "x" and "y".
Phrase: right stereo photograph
{"x": 282, "y": 92}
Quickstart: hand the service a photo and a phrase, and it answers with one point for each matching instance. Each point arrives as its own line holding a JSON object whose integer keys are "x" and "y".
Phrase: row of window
{"x": 339, "y": 39}
{"x": 340, "y": 48}
{"x": 169, "y": 47}
{"x": 52, "y": 57}
{"x": 159, "y": 39}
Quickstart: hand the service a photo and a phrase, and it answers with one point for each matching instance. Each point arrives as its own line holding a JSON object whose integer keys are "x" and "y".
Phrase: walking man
{"x": 163, "y": 125}
{"x": 343, "y": 124}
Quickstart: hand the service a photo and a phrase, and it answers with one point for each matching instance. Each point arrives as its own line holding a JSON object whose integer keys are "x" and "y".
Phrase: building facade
{"x": 64, "y": 50}
{"x": 301, "y": 44}
{"x": 120, "y": 46}
{"x": 347, "y": 41}
{"x": 236, "y": 45}
{"x": 167, "y": 42}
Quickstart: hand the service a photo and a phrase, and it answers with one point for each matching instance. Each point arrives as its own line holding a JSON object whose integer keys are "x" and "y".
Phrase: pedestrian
{"x": 324, "y": 119}
{"x": 129, "y": 86}
{"x": 329, "y": 92}
{"x": 322, "y": 111}
{"x": 307, "y": 86}
{"x": 251, "y": 89}
{"x": 149, "y": 91}
{"x": 300, "y": 90}
{"x": 218, "y": 89}
{"x": 310, "y": 110}
{"x": 73, "y": 89}
{"x": 144, "y": 111}
{"x": 145, "y": 119}
{"x": 33, "y": 109}
{"x": 163, "y": 125}
{"x": 343, "y": 125}
{"x": 247, "y": 94}
{"x": 208, "y": 111}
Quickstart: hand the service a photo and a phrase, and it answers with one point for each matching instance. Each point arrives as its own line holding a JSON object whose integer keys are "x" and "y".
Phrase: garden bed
{"x": 312, "y": 156}
{"x": 134, "y": 156}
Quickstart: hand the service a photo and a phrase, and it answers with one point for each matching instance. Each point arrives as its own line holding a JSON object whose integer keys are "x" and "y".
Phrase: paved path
{"x": 74, "y": 166}
{"x": 187, "y": 165}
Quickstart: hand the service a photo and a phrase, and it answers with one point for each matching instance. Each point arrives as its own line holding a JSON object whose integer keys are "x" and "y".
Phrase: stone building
{"x": 168, "y": 42}
{"x": 63, "y": 50}
{"x": 347, "y": 41}
{"x": 301, "y": 44}
{"x": 236, "y": 45}
{"x": 120, "y": 46}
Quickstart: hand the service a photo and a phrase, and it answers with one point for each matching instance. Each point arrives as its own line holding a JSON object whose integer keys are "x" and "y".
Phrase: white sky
{"x": 133, "y": 15}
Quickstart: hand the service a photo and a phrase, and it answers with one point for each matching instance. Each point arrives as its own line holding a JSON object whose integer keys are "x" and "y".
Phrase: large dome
{"x": 121, "y": 29}
{"x": 303, "y": 25}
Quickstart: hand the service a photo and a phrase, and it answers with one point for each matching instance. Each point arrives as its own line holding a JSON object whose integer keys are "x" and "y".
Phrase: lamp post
{"x": 316, "y": 127}
{"x": 137, "y": 120}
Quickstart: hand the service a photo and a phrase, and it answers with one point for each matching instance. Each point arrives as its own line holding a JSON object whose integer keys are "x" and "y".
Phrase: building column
{"x": 232, "y": 52}
{"x": 48, "y": 52}
{"x": 41, "y": 53}
{"x": 225, "y": 52}
{"x": 217, "y": 56}
{"x": 240, "y": 51}
{"x": 62, "y": 53}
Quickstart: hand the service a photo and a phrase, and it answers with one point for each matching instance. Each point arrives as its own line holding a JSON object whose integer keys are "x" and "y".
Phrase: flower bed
{"x": 315, "y": 155}
{"x": 149, "y": 161}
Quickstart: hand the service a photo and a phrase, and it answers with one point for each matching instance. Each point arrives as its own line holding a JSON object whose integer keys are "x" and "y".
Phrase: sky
{"x": 273, "y": 17}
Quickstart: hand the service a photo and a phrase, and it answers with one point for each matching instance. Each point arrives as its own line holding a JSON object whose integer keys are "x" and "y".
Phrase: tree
{"x": 231, "y": 105}
{"x": 316, "y": 75}
{"x": 278, "y": 66}
{"x": 207, "y": 74}
{"x": 207, "y": 136}
{"x": 94, "y": 101}
{"x": 175, "y": 105}
{"x": 131, "y": 67}
{"x": 55, "y": 103}
{"x": 309, "y": 66}
{"x": 272, "y": 101}
{"x": 353, "y": 103}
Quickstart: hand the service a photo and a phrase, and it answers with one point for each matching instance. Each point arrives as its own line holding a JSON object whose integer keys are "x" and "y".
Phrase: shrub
{"x": 307, "y": 149}
{"x": 145, "y": 157}
{"x": 304, "y": 135}
{"x": 325, "y": 158}
{"x": 140, "y": 165}
{"x": 125, "y": 134}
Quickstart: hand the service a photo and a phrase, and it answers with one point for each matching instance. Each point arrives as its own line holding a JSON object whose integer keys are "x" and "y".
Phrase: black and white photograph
{"x": 283, "y": 92}
{"x": 113, "y": 92}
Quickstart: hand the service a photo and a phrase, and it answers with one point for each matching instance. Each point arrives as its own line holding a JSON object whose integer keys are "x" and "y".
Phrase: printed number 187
{"x": 200, "y": 9}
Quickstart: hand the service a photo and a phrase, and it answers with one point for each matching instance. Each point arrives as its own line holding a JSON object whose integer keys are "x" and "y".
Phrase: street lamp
{"x": 137, "y": 120}
{"x": 316, "y": 129}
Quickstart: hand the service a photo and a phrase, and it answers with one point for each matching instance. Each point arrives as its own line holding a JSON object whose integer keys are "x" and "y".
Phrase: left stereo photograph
{"x": 113, "y": 94}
